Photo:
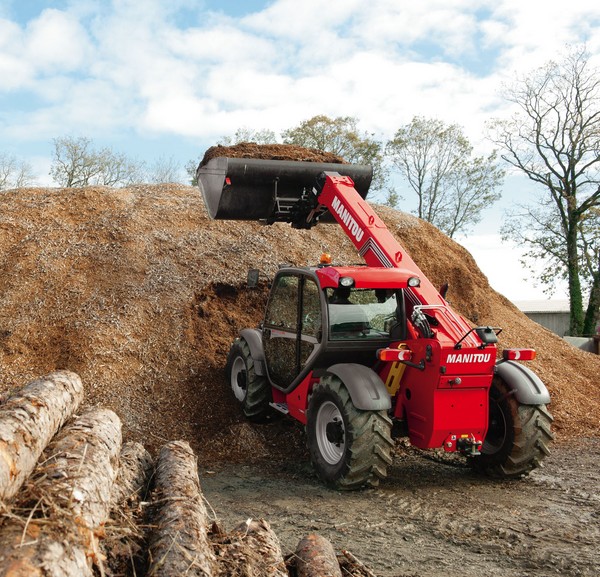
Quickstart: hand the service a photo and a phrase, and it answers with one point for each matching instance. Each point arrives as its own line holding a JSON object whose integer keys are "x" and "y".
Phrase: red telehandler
{"x": 361, "y": 354}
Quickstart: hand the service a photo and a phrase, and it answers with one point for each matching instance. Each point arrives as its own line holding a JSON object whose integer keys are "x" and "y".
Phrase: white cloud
{"x": 14, "y": 70}
{"x": 534, "y": 32}
{"x": 132, "y": 66}
{"x": 56, "y": 41}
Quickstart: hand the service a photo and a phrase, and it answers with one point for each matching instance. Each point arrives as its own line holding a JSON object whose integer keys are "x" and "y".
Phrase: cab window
{"x": 360, "y": 313}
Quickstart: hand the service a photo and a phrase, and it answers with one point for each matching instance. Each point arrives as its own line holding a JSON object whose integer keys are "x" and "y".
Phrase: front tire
{"x": 349, "y": 448}
{"x": 518, "y": 435}
{"x": 251, "y": 390}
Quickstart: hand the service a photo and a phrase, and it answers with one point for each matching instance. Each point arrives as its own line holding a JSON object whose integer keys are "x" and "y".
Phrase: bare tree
{"x": 554, "y": 139}
{"x": 452, "y": 186}
{"x": 77, "y": 163}
{"x": 14, "y": 173}
{"x": 263, "y": 136}
{"x": 164, "y": 170}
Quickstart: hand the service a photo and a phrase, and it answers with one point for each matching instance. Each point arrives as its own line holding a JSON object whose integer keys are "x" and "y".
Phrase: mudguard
{"x": 254, "y": 339}
{"x": 527, "y": 386}
{"x": 367, "y": 390}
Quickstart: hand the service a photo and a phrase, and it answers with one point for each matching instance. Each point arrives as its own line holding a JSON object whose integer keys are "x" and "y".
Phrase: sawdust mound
{"x": 141, "y": 294}
{"x": 271, "y": 152}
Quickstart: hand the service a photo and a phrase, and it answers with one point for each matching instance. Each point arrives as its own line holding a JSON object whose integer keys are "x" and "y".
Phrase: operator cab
{"x": 318, "y": 317}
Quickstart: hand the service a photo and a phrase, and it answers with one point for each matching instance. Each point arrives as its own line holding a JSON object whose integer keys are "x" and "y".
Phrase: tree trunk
{"x": 592, "y": 316}
{"x": 28, "y": 420}
{"x": 65, "y": 503}
{"x": 179, "y": 544}
{"x": 315, "y": 557}
{"x": 352, "y": 567}
{"x": 252, "y": 550}
{"x": 575, "y": 298}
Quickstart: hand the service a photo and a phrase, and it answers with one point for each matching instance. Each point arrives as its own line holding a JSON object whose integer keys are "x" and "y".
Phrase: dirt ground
{"x": 432, "y": 517}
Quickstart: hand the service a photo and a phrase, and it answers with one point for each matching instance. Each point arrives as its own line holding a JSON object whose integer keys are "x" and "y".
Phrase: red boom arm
{"x": 369, "y": 233}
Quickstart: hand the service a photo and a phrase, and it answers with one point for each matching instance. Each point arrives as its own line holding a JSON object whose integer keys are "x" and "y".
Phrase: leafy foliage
{"x": 341, "y": 136}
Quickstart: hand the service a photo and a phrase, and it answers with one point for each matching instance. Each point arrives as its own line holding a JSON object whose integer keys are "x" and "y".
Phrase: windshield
{"x": 360, "y": 313}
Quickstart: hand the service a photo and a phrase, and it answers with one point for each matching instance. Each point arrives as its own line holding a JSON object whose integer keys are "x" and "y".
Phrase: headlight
{"x": 414, "y": 281}
{"x": 347, "y": 281}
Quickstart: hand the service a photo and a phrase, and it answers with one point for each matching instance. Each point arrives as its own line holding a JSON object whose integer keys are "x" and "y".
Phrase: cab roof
{"x": 365, "y": 277}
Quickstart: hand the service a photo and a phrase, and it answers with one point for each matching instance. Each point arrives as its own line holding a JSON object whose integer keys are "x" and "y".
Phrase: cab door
{"x": 292, "y": 327}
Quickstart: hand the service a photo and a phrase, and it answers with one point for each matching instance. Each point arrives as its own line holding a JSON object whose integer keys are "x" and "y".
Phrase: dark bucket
{"x": 256, "y": 189}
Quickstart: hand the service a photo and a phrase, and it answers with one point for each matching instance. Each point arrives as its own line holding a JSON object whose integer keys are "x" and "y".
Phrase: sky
{"x": 169, "y": 78}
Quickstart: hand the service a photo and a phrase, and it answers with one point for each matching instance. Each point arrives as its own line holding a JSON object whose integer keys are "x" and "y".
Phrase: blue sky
{"x": 169, "y": 78}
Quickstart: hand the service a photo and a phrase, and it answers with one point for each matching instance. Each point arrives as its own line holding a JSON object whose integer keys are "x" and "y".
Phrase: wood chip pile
{"x": 141, "y": 294}
{"x": 77, "y": 501}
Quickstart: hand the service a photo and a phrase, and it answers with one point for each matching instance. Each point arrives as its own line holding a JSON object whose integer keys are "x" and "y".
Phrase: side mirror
{"x": 252, "y": 281}
{"x": 487, "y": 335}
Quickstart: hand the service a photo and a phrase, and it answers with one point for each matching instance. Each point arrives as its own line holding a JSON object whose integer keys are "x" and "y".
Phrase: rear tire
{"x": 251, "y": 390}
{"x": 518, "y": 435}
{"x": 349, "y": 448}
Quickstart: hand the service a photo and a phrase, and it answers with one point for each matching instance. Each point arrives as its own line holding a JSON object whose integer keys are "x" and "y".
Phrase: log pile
{"x": 77, "y": 501}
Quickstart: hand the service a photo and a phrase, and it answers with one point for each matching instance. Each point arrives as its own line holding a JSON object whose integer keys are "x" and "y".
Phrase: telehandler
{"x": 362, "y": 354}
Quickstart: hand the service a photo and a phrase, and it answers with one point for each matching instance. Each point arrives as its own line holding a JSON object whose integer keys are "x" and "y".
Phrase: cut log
{"x": 315, "y": 557}
{"x": 65, "y": 503}
{"x": 133, "y": 476}
{"x": 251, "y": 550}
{"x": 179, "y": 543}
{"x": 20, "y": 556}
{"x": 124, "y": 541}
{"x": 28, "y": 420}
{"x": 352, "y": 567}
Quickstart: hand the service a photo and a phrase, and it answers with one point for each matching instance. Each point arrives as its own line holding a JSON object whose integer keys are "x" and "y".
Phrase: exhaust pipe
{"x": 268, "y": 190}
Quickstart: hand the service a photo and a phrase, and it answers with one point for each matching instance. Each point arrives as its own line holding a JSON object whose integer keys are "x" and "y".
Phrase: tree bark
{"x": 65, "y": 503}
{"x": 124, "y": 542}
{"x": 28, "y": 420}
{"x": 133, "y": 476}
{"x": 315, "y": 557}
{"x": 592, "y": 316}
{"x": 575, "y": 297}
{"x": 352, "y": 567}
{"x": 179, "y": 544}
{"x": 252, "y": 550}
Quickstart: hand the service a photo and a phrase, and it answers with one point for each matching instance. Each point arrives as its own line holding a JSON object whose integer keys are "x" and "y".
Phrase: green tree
{"x": 190, "y": 169}
{"x": 452, "y": 186}
{"x": 77, "y": 163}
{"x": 14, "y": 173}
{"x": 341, "y": 136}
{"x": 554, "y": 139}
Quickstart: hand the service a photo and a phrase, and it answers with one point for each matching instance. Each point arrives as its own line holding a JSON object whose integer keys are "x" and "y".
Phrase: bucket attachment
{"x": 269, "y": 190}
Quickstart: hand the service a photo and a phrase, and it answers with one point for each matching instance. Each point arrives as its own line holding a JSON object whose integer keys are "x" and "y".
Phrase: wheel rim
{"x": 239, "y": 379}
{"x": 496, "y": 435}
{"x": 330, "y": 433}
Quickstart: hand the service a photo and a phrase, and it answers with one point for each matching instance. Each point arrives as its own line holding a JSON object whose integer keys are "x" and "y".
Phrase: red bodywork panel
{"x": 446, "y": 396}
